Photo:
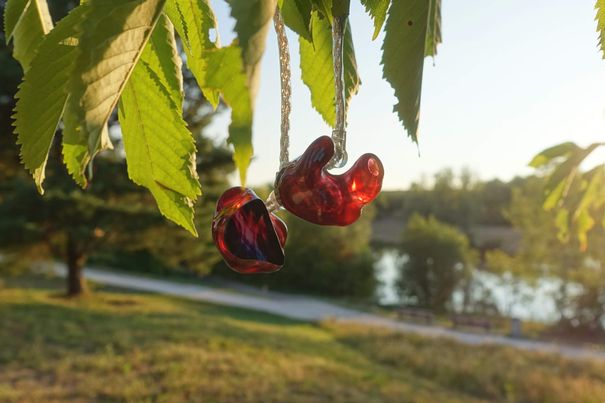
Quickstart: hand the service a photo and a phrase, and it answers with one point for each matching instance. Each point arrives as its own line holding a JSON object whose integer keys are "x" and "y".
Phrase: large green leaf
{"x": 226, "y": 73}
{"x": 160, "y": 151}
{"x": 194, "y": 21}
{"x": 26, "y": 22}
{"x": 43, "y": 93}
{"x": 111, "y": 43}
{"x": 600, "y": 6}
{"x": 317, "y": 67}
{"x": 252, "y": 22}
{"x": 404, "y": 49}
{"x": 297, "y": 16}
{"x": 378, "y": 10}
{"x": 433, "y": 36}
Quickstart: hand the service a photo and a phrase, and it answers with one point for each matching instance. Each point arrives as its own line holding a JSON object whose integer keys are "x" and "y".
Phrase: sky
{"x": 510, "y": 79}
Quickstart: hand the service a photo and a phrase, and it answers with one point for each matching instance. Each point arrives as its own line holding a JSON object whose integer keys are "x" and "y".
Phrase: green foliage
{"x": 438, "y": 258}
{"x": 91, "y": 56}
{"x": 26, "y": 22}
{"x": 324, "y": 7}
{"x": 110, "y": 44}
{"x": 226, "y": 72}
{"x": 433, "y": 35}
{"x": 252, "y": 22}
{"x": 160, "y": 151}
{"x": 297, "y": 16}
{"x": 600, "y": 7}
{"x": 580, "y": 296}
{"x": 217, "y": 70}
{"x": 378, "y": 10}
{"x": 408, "y": 31}
{"x": 317, "y": 67}
{"x": 193, "y": 21}
{"x": 43, "y": 94}
{"x": 112, "y": 215}
{"x": 253, "y": 19}
{"x": 576, "y": 196}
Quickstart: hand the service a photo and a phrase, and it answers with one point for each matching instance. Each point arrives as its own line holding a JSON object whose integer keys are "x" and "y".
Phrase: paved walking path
{"x": 313, "y": 309}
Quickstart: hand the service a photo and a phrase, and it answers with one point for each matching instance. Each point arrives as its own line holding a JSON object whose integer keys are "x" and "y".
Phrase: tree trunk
{"x": 76, "y": 283}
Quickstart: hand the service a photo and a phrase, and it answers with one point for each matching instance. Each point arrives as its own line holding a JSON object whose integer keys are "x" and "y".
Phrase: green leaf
{"x": 297, "y": 16}
{"x": 550, "y": 154}
{"x": 378, "y": 11}
{"x": 564, "y": 174}
{"x": 194, "y": 20}
{"x": 340, "y": 8}
{"x": 324, "y": 7}
{"x": 160, "y": 151}
{"x": 575, "y": 195}
{"x": 317, "y": 67}
{"x": 349, "y": 64}
{"x": 43, "y": 93}
{"x": 403, "y": 54}
{"x": 252, "y": 22}
{"x": 592, "y": 198}
{"x": 111, "y": 43}
{"x": 583, "y": 223}
{"x": 600, "y": 7}
{"x": 26, "y": 22}
{"x": 554, "y": 195}
{"x": 217, "y": 70}
{"x": 226, "y": 72}
{"x": 562, "y": 223}
{"x": 593, "y": 190}
{"x": 162, "y": 57}
{"x": 433, "y": 36}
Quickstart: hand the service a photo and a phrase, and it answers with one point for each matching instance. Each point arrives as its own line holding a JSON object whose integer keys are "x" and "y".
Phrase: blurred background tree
{"x": 580, "y": 274}
{"x": 437, "y": 260}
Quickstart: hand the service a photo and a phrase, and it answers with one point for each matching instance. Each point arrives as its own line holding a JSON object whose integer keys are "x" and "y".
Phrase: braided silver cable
{"x": 339, "y": 134}
{"x": 286, "y": 93}
{"x": 286, "y": 90}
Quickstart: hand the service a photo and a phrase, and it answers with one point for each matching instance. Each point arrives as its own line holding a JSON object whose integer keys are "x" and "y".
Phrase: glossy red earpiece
{"x": 250, "y": 239}
{"x": 306, "y": 189}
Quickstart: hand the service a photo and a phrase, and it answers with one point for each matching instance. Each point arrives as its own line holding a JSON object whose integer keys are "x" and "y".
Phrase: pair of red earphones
{"x": 251, "y": 239}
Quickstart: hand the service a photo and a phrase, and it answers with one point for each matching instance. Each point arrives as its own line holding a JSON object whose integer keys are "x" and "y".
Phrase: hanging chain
{"x": 339, "y": 134}
{"x": 286, "y": 90}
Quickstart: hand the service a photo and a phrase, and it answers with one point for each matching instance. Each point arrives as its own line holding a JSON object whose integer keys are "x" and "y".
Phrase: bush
{"x": 439, "y": 259}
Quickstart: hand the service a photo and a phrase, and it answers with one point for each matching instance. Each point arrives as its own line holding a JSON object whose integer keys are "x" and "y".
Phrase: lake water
{"x": 535, "y": 303}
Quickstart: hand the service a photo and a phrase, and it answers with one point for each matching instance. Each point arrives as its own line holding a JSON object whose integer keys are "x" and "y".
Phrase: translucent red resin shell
{"x": 306, "y": 189}
{"x": 250, "y": 239}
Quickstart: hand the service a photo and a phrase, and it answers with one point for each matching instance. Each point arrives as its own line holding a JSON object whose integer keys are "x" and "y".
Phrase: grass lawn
{"x": 118, "y": 346}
